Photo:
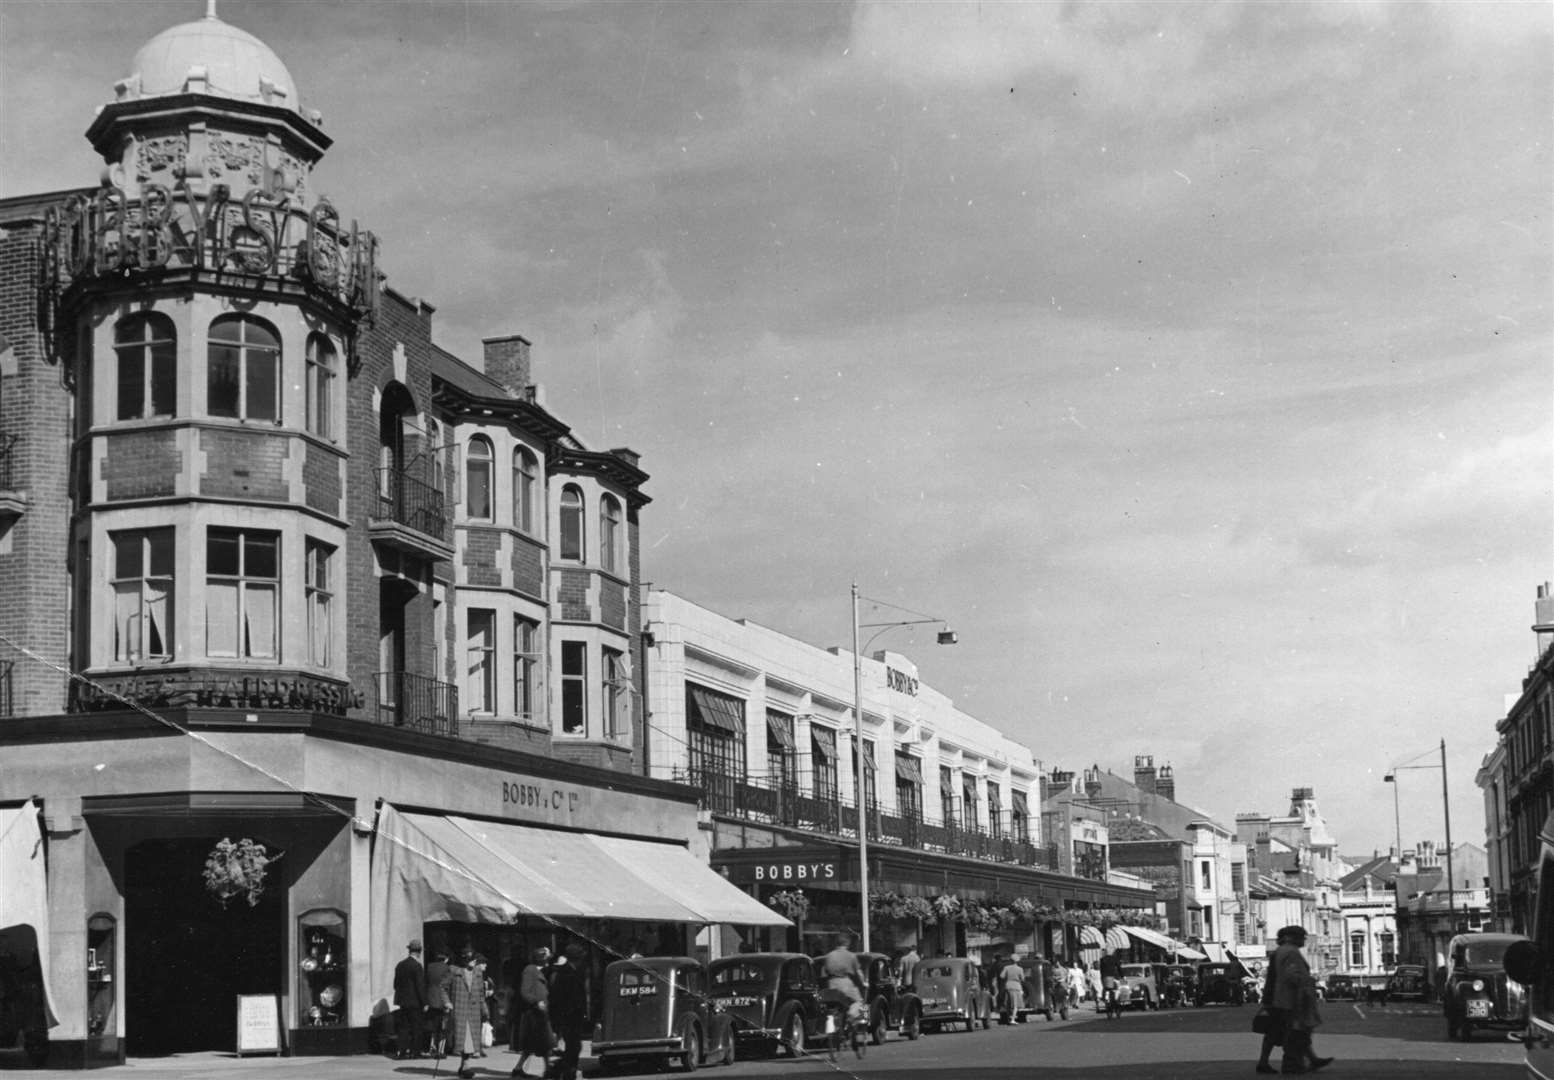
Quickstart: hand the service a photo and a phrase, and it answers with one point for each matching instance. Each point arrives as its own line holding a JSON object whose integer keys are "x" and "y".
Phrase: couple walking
{"x": 1290, "y": 999}
{"x": 552, "y": 1003}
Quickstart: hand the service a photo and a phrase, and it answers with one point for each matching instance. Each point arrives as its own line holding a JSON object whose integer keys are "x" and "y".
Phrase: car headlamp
{"x": 1478, "y": 985}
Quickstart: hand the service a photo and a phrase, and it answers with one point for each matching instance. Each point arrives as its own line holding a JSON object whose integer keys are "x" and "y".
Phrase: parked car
{"x": 1408, "y": 983}
{"x": 953, "y": 990}
{"x": 1178, "y": 984}
{"x": 1046, "y": 991}
{"x": 1478, "y": 993}
{"x": 1531, "y": 963}
{"x": 1139, "y": 987}
{"x": 1220, "y": 983}
{"x": 656, "y": 1009}
{"x": 1340, "y": 987}
{"x": 891, "y": 1008}
{"x": 772, "y": 998}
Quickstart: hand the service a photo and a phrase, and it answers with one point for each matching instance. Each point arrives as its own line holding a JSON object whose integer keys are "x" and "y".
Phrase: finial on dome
{"x": 210, "y": 9}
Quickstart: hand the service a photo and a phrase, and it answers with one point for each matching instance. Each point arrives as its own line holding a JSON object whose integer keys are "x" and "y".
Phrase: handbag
{"x": 1262, "y": 1022}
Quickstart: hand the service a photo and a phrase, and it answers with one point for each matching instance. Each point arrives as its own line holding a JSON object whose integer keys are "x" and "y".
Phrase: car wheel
{"x": 728, "y": 1048}
{"x": 877, "y": 1025}
{"x": 790, "y": 1027}
{"x": 912, "y": 1027}
{"x": 691, "y": 1059}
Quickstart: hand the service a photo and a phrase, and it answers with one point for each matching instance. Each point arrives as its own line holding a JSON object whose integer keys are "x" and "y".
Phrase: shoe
{"x": 1264, "y": 1067}
{"x": 1319, "y": 1063}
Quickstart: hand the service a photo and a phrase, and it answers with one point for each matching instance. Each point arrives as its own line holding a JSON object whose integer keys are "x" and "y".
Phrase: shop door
{"x": 187, "y": 957}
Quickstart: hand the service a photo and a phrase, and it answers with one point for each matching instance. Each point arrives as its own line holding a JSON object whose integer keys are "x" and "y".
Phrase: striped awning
{"x": 824, "y": 740}
{"x": 908, "y": 769}
{"x": 1089, "y": 935}
{"x": 1151, "y": 937}
{"x": 1117, "y": 939}
{"x": 779, "y": 729}
{"x": 715, "y": 710}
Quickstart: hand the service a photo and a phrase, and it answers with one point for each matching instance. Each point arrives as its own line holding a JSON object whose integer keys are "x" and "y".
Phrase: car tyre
{"x": 877, "y": 1025}
{"x": 912, "y": 1026}
{"x": 729, "y": 1053}
{"x": 690, "y": 1061}
{"x": 790, "y": 1030}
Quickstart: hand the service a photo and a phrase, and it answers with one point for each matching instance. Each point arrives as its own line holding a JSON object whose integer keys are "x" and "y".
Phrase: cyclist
{"x": 1111, "y": 979}
{"x": 843, "y": 976}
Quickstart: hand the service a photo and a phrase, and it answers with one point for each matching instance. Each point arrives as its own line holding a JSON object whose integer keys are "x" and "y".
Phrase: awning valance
{"x": 1151, "y": 937}
{"x": 908, "y": 769}
{"x": 715, "y": 710}
{"x": 779, "y": 728}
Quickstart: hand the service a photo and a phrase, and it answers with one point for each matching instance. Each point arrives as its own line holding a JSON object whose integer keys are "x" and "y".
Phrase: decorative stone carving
{"x": 156, "y": 155}
{"x": 226, "y": 153}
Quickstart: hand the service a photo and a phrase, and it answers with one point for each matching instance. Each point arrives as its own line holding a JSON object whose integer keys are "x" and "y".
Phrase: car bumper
{"x": 633, "y": 1047}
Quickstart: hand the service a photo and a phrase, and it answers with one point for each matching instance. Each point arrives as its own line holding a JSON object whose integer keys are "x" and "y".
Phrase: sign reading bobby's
{"x": 780, "y": 868}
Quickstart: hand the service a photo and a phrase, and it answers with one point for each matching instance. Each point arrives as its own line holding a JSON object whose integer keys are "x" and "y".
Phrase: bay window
{"x": 146, "y": 348}
{"x": 481, "y": 653}
{"x": 574, "y": 688}
{"x": 243, "y": 369}
{"x": 242, "y": 593}
{"x": 142, "y": 595}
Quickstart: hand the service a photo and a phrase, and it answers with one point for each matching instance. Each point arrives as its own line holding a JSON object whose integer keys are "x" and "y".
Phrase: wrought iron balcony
{"x": 411, "y": 516}
{"x": 416, "y": 702}
{"x": 789, "y": 805}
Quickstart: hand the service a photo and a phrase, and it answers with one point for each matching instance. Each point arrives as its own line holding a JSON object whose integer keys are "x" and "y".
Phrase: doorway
{"x": 186, "y": 957}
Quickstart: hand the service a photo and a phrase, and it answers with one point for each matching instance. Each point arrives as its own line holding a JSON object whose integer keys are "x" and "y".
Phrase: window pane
{"x": 158, "y": 618}
{"x": 221, "y": 552}
{"x": 128, "y": 559}
{"x": 132, "y": 375}
{"x": 221, "y": 618}
{"x": 479, "y": 488}
{"x": 226, "y": 330}
{"x": 263, "y": 372}
{"x": 161, "y": 543}
{"x": 571, "y": 524}
{"x": 126, "y": 621}
{"x": 164, "y": 379}
{"x": 260, "y": 556}
{"x": 259, "y": 620}
{"x": 222, "y": 388}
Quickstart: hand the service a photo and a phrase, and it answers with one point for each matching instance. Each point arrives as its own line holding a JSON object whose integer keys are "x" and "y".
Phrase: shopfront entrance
{"x": 187, "y": 956}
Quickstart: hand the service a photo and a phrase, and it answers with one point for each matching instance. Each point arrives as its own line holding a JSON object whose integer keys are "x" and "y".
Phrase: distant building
{"x": 1368, "y": 904}
{"x": 1297, "y": 850}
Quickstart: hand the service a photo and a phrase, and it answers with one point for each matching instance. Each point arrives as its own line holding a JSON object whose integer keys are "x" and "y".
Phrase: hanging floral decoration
{"x": 791, "y": 903}
{"x": 894, "y": 905}
{"x": 237, "y": 868}
{"x": 943, "y": 908}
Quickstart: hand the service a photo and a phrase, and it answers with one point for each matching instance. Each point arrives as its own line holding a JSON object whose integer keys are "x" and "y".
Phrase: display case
{"x": 321, "y": 969}
{"x": 102, "y": 939}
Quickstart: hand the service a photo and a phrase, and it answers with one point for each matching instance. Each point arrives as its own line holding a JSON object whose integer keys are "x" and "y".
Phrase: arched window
{"x": 320, "y": 386}
{"x": 244, "y": 369}
{"x": 572, "y": 522}
{"x": 478, "y": 479}
{"x": 609, "y": 533}
{"x": 526, "y": 475}
{"x": 146, "y": 345}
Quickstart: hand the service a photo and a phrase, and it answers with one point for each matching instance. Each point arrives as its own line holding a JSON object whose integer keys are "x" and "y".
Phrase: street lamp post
{"x": 1451, "y": 885}
{"x": 946, "y": 636}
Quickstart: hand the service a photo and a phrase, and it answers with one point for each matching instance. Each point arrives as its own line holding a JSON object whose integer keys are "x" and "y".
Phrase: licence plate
{"x": 1478, "y": 1008}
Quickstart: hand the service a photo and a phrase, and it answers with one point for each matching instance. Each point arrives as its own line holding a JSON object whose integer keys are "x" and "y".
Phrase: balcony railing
{"x": 786, "y": 804}
{"x": 416, "y": 702}
{"x": 412, "y": 502}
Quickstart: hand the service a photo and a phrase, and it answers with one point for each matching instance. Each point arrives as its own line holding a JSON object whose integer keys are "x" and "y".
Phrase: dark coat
{"x": 410, "y": 984}
{"x": 436, "y": 984}
{"x": 568, "y": 1001}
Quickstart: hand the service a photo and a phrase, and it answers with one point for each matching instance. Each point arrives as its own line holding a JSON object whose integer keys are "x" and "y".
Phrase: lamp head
{"x": 948, "y": 637}
{"x": 1390, "y": 778}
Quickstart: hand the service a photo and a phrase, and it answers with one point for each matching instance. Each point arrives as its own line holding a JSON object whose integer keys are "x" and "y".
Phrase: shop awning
{"x": 779, "y": 726}
{"x": 716, "y": 710}
{"x": 1187, "y": 952}
{"x": 908, "y": 769}
{"x": 1151, "y": 937}
{"x": 1117, "y": 939}
{"x": 674, "y": 870}
{"x": 1089, "y": 935}
{"x": 24, "y": 905}
{"x": 824, "y": 739}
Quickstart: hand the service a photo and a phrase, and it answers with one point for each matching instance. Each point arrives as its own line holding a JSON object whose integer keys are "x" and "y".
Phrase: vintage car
{"x": 1341, "y": 988}
{"x": 656, "y": 1009}
{"x": 891, "y": 1008}
{"x": 1046, "y": 988}
{"x": 1221, "y": 983}
{"x": 772, "y": 998}
{"x": 1408, "y": 982}
{"x": 1139, "y": 987}
{"x": 1178, "y": 984}
{"x": 1478, "y": 993}
{"x": 953, "y": 990}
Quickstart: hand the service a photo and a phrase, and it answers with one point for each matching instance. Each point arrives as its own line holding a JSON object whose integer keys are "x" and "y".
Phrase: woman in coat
{"x": 1295, "y": 995}
{"x": 466, "y": 992}
{"x": 532, "y": 1034}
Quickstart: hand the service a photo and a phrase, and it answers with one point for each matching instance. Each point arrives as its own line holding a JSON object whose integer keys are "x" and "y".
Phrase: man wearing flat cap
{"x": 410, "y": 1003}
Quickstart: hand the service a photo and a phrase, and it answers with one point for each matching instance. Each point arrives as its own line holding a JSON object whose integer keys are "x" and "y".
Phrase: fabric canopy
{"x": 717, "y": 710}
{"x": 824, "y": 739}
{"x": 1117, "y": 938}
{"x": 1187, "y": 951}
{"x": 1151, "y": 937}
{"x": 779, "y": 726}
{"x": 908, "y": 769}
{"x": 1089, "y": 935}
{"x": 24, "y": 898}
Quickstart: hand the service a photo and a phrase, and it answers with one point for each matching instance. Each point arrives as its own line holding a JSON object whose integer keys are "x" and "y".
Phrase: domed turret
{"x": 208, "y": 56}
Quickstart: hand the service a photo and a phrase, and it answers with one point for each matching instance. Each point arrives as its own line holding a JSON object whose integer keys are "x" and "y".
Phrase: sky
{"x": 1193, "y": 361}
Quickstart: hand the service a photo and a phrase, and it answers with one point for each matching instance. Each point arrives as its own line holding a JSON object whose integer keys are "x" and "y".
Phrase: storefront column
{"x": 66, "y": 944}
{"x": 360, "y": 1010}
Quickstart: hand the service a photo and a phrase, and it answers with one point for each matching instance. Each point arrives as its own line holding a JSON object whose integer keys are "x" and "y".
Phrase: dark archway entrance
{"x": 186, "y": 957}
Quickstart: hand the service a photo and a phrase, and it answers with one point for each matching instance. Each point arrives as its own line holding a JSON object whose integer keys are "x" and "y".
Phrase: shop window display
{"x": 321, "y": 971}
{"x": 101, "y": 941}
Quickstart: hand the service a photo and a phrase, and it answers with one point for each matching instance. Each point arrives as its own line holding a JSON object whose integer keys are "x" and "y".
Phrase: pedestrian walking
{"x": 569, "y": 1009}
{"x": 410, "y": 1003}
{"x": 437, "y": 1003}
{"x": 466, "y": 1009}
{"x": 1011, "y": 977}
{"x": 1295, "y": 992}
{"x": 532, "y": 1033}
{"x": 908, "y": 967}
{"x": 1273, "y": 1034}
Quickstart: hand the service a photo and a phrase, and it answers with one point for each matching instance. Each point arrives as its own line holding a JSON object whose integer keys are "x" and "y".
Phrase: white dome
{"x": 211, "y": 57}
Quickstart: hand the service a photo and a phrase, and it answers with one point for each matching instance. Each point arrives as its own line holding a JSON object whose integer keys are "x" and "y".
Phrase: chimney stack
{"x": 1543, "y": 618}
{"x": 1093, "y": 782}
{"x": 1165, "y": 783}
{"x": 507, "y": 361}
{"x": 1144, "y": 773}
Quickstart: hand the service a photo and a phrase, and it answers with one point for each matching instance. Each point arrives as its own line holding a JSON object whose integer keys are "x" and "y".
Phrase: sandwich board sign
{"x": 258, "y": 1024}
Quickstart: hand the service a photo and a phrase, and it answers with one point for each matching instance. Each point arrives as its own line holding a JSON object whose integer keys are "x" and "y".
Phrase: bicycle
{"x": 846, "y": 1023}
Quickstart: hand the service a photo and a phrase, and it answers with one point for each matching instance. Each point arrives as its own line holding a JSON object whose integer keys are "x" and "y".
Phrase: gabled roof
{"x": 1379, "y": 870}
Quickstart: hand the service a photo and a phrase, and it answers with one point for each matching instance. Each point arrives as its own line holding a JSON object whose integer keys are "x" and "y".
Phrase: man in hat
{"x": 569, "y": 1009}
{"x": 410, "y": 1003}
{"x": 1295, "y": 994}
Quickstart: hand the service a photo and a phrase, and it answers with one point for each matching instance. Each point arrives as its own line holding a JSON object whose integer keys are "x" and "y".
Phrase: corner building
{"x": 277, "y": 567}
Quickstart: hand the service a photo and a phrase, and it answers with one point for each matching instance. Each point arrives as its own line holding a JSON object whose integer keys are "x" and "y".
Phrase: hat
{"x": 415, "y": 944}
{"x": 1292, "y": 932}
{"x": 466, "y": 952}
